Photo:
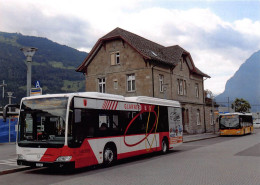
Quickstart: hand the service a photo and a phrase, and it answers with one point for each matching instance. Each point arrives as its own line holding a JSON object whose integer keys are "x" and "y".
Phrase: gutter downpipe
{"x": 153, "y": 78}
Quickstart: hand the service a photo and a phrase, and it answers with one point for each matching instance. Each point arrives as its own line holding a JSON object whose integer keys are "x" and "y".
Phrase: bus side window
{"x": 115, "y": 121}
{"x": 77, "y": 126}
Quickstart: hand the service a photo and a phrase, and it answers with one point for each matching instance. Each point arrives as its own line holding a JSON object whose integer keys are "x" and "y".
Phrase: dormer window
{"x": 115, "y": 58}
{"x": 154, "y": 53}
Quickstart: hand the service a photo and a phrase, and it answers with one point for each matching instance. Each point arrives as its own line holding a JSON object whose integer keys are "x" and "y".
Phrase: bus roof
{"x": 151, "y": 100}
{"x": 236, "y": 113}
{"x": 136, "y": 99}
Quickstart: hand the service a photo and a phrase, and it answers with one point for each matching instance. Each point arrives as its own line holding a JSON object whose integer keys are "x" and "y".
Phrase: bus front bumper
{"x": 70, "y": 165}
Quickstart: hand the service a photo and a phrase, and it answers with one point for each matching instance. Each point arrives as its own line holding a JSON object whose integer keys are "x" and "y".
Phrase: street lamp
{"x": 3, "y": 85}
{"x": 29, "y": 52}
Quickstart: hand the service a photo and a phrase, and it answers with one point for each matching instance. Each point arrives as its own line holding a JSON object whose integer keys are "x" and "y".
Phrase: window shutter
{"x": 113, "y": 59}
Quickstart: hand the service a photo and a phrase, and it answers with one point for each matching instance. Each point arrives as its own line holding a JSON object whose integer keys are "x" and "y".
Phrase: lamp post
{"x": 29, "y": 52}
{"x": 3, "y": 85}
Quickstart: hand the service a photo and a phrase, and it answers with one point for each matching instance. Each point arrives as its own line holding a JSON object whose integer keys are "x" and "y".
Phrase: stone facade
{"x": 179, "y": 83}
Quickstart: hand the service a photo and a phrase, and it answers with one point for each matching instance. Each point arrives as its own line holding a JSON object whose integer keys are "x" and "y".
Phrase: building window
{"x": 211, "y": 118}
{"x": 197, "y": 90}
{"x": 182, "y": 90}
{"x": 115, "y": 58}
{"x": 161, "y": 78}
{"x": 198, "y": 117}
{"x": 130, "y": 82}
{"x": 115, "y": 84}
{"x": 102, "y": 85}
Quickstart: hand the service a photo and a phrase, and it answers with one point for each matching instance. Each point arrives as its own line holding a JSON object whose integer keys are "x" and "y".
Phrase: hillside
{"x": 245, "y": 83}
{"x": 53, "y": 65}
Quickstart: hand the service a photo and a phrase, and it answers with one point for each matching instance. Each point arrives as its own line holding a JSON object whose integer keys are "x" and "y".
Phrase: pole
{"x": 3, "y": 85}
{"x": 29, "y": 52}
{"x": 29, "y": 76}
{"x": 212, "y": 104}
{"x": 228, "y": 104}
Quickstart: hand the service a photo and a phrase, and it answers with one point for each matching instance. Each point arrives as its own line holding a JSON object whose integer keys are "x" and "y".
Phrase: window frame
{"x": 197, "y": 94}
{"x": 211, "y": 118}
{"x": 115, "y": 84}
{"x": 102, "y": 84}
{"x": 161, "y": 82}
{"x": 182, "y": 87}
{"x": 132, "y": 81}
{"x": 115, "y": 58}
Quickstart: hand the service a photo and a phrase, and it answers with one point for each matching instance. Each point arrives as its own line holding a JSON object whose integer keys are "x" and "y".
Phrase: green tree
{"x": 241, "y": 105}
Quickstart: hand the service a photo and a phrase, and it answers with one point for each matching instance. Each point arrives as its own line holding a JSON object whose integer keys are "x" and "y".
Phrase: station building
{"x": 127, "y": 64}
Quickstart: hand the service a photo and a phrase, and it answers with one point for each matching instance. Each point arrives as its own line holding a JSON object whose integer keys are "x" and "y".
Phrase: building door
{"x": 183, "y": 119}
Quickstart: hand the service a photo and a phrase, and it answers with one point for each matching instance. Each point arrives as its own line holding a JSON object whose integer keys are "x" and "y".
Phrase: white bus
{"x": 81, "y": 129}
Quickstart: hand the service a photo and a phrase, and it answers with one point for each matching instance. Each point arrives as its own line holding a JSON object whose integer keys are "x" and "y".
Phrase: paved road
{"x": 217, "y": 161}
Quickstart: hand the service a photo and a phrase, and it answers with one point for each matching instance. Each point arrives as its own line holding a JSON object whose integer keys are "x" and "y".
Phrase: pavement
{"x": 8, "y": 155}
{"x": 196, "y": 137}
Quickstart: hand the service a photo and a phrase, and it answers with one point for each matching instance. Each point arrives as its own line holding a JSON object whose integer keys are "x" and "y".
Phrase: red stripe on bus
{"x": 116, "y": 105}
{"x": 110, "y": 104}
{"x": 113, "y": 104}
{"x": 105, "y": 104}
{"x": 138, "y": 152}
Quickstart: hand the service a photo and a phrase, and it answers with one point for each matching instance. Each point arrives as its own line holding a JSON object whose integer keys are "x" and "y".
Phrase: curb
{"x": 199, "y": 139}
{"x": 14, "y": 170}
{"x": 11, "y": 143}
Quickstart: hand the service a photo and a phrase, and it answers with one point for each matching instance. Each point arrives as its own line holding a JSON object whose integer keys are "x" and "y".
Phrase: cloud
{"x": 218, "y": 47}
{"x": 62, "y": 28}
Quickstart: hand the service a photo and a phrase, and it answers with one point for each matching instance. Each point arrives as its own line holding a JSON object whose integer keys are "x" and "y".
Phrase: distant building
{"x": 211, "y": 109}
{"x": 256, "y": 117}
{"x": 223, "y": 110}
{"x": 124, "y": 63}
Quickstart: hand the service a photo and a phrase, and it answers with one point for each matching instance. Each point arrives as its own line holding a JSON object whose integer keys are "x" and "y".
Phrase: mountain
{"x": 244, "y": 84}
{"x": 53, "y": 65}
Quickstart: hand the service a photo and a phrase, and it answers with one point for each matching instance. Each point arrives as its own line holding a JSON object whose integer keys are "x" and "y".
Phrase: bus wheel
{"x": 109, "y": 156}
{"x": 165, "y": 147}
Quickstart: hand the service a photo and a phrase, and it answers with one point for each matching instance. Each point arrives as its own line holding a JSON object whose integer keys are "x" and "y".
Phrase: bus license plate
{"x": 39, "y": 165}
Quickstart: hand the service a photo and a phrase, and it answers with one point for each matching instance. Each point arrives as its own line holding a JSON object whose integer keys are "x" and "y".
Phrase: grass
{"x": 72, "y": 86}
{"x": 60, "y": 65}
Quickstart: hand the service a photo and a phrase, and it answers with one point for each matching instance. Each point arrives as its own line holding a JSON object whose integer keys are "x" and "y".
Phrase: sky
{"x": 219, "y": 35}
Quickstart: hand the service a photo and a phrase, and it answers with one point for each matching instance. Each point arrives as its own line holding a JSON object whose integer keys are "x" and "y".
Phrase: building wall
{"x": 131, "y": 62}
{"x": 210, "y": 127}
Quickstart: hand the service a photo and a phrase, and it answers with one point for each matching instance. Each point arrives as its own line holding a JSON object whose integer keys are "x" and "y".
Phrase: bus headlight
{"x": 63, "y": 158}
{"x": 20, "y": 157}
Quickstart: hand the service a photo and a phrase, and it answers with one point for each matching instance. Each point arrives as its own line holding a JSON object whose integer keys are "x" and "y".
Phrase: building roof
{"x": 148, "y": 49}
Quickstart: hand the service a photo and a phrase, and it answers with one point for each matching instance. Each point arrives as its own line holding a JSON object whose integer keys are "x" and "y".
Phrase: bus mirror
{"x": 6, "y": 108}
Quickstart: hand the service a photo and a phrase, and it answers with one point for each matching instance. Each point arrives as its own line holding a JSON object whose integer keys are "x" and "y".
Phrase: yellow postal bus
{"x": 235, "y": 123}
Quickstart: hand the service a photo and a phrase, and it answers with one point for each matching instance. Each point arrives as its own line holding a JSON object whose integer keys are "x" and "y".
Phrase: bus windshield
{"x": 229, "y": 121}
{"x": 42, "y": 122}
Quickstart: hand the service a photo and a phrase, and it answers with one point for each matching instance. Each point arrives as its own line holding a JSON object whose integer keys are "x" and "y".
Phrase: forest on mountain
{"x": 53, "y": 66}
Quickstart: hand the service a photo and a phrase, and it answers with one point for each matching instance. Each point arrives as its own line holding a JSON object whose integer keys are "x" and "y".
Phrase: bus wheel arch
{"x": 109, "y": 153}
{"x": 165, "y": 145}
